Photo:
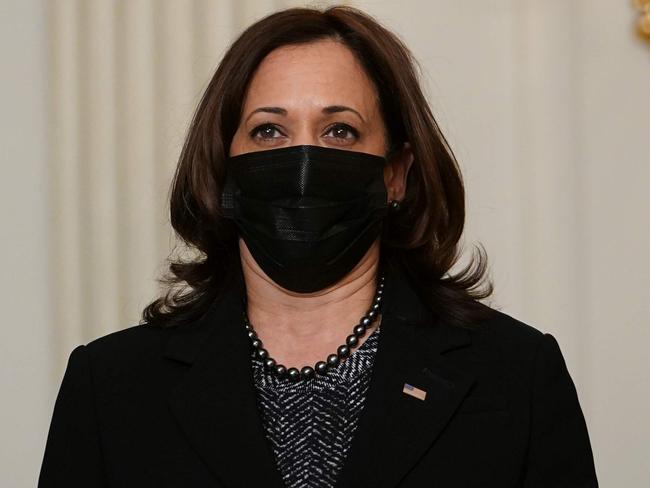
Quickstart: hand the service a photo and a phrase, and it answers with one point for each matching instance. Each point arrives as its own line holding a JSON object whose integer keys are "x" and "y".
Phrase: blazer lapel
{"x": 215, "y": 402}
{"x": 395, "y": 429}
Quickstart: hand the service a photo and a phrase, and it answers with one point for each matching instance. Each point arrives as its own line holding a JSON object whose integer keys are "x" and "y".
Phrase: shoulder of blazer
{"x": 502, "y": 355}
{"x": 499, "y": 339}
{"x": 127, "y": 356}
{"x": 143, "y": 345}
{"x": 134, "y": 339}
{"x": 506, "y": 331}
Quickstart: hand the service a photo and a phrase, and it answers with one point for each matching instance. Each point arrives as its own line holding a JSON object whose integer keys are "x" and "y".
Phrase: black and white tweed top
{"x": 310, "y": 423}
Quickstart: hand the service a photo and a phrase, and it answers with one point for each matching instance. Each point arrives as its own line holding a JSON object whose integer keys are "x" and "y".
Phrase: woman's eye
{"x": 265, "y": 131}
{"x": 340, "y": 132}
{"x": 343, "y": 131}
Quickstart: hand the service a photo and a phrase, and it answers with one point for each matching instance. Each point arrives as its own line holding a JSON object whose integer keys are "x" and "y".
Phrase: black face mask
{"x": 307, "y": 213}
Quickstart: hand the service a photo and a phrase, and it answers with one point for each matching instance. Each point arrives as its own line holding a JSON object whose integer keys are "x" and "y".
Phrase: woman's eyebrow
{"x": 272, "y": 110}
{"x": 341, "y": 108}
{"x": 331, "y": 109}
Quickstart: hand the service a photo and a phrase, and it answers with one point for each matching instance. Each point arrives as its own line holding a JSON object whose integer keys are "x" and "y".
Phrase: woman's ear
{"x": 396, "y": 172}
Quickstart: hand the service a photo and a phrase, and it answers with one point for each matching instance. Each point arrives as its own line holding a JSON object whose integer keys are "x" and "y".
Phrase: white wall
{"x": 545, "y": 103}
{"x": 26, "y": 327}
{"x": 612, "y": 144}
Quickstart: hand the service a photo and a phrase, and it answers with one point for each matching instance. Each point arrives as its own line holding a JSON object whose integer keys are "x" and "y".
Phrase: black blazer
{"x": 155, "y": 407}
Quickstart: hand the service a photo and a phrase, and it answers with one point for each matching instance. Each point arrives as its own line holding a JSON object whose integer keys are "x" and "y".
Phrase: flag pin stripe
{"x": 414, "y": 392}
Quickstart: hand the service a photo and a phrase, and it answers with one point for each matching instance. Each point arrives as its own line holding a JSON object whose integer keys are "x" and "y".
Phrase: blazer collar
{"x": 215, "y": 402}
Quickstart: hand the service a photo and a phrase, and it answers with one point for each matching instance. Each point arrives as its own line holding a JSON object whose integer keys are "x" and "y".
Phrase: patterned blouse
{"x": 310, "y": 423}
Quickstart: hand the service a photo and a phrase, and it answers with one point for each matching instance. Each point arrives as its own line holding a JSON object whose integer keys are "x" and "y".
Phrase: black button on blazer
{"x": 155, "y": 407}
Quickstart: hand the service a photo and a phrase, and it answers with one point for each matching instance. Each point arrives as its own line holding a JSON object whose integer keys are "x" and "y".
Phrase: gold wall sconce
{"x": 643, "y": 23}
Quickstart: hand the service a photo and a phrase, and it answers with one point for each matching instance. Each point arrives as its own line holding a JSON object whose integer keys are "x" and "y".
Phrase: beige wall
{"x": 26, "y": 328}
{"x": 545, "y": 103}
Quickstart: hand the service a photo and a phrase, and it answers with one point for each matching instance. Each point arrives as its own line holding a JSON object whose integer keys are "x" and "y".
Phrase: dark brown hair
{"x": 422, "y": 238}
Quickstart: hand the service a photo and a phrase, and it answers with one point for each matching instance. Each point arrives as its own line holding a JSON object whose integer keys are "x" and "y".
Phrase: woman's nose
{"x": 306, "y": 135}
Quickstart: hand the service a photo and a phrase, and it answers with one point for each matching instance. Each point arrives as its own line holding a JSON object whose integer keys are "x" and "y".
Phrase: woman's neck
{"x": 301, "y": 329}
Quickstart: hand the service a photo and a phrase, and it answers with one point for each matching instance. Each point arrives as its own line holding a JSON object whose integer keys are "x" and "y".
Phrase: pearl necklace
{"x": 333, "y": 360}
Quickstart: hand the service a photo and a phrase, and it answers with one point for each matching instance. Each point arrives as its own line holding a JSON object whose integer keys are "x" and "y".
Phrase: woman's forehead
{"x": 311, "y": 76}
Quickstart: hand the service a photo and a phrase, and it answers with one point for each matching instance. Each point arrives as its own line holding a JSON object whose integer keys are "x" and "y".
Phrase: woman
{"x": 322, "y": 340}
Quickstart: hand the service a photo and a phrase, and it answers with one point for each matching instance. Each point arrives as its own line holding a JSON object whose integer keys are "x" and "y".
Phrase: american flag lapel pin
{"x": 414, "y": 392}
